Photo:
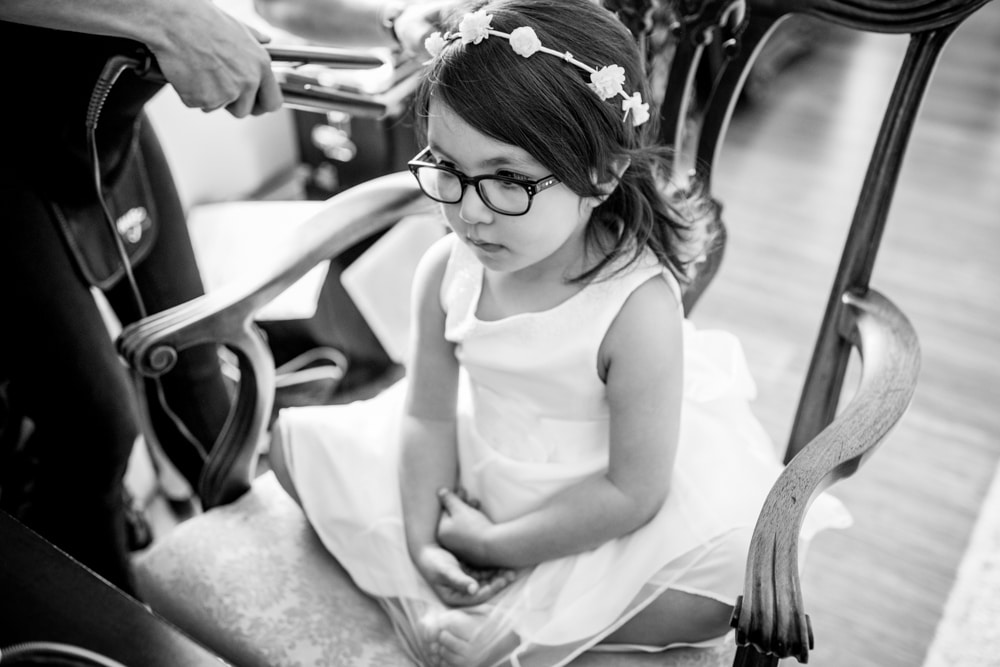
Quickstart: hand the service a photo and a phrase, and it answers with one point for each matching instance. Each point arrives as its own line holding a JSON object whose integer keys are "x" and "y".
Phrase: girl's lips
{"x": 483, "y": 245}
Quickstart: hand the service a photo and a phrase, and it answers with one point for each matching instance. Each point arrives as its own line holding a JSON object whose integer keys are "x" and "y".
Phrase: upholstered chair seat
{"x": 252, "y": 581}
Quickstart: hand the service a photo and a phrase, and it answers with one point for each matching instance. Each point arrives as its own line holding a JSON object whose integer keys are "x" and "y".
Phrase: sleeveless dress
{"x": 533, "y": 419}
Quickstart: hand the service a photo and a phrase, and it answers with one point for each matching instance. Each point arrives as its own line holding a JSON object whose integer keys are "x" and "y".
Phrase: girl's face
{"x": 547, "y": 240}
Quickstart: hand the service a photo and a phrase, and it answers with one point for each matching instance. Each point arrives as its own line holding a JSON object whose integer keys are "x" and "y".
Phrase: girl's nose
{"x": 474, "y": 210}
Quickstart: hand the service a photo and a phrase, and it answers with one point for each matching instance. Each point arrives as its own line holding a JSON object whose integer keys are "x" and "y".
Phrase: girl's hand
{"x": 462, "y": 528}
{"x": 458, "y": 585}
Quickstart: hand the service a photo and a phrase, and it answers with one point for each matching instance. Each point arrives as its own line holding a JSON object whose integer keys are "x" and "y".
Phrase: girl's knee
{"x": 675, "y": 617}
{"x": 709, "y": 618}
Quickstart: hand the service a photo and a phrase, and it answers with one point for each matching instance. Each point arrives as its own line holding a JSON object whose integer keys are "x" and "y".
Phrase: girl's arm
{"x": 429, "y": 458}
{"x": 642, "y": 357}
{"x": 429, "y": 444}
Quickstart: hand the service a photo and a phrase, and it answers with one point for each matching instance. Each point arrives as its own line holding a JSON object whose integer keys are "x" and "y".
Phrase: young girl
{"x": 569, "y": 463}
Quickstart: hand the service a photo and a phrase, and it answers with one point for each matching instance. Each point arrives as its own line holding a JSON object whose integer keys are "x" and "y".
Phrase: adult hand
{"x": 214, "y": 61}
{"x": 418, "y": 20}
{"x": 458, "y": 585}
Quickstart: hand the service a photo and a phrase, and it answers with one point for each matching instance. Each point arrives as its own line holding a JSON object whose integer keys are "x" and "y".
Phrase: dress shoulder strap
{"x": 639, "y": 272}
{"x": 461, "y": 284}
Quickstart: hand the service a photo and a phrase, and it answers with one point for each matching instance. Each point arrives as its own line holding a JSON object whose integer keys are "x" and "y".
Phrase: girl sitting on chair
{"x": 569, "y": 463}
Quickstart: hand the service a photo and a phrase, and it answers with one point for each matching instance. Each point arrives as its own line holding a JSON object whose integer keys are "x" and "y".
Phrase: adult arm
{"x": 357, "y": 23}
{"x": 210, "y": 58}
{"x": 643, "y": 357}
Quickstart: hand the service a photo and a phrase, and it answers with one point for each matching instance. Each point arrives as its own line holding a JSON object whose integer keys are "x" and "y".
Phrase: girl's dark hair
{"x": 545, "y": 106}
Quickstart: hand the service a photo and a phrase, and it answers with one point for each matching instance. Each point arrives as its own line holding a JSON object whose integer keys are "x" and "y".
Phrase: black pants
{"x": 65, "y": 375}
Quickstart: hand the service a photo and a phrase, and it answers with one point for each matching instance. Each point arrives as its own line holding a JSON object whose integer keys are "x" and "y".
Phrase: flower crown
{"x": 607, "y": 81}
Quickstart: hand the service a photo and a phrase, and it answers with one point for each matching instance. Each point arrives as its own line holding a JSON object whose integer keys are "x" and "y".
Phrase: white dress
{"x": 533, "y": 419}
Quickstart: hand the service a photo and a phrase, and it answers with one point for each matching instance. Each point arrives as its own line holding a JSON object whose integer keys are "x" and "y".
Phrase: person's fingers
{"x": 455, "y": 598}
{"x": 467, "y": 498}
{"x": 499, "y": 582}
{"x": 452, "y": 648}
{"x": 483, "y": 576}
{"x": 242, "y": 105}
{"x": 269, "y": 96}
{"x": 449, "y": 501}
{"x": 261, "y": 37}
{"x": 495, "y": 585}
{"x": 208, "y": 108}
{"x": 265, "y": 98}
{"x": 461, "y": 582}
{"x": 452, "y": 575}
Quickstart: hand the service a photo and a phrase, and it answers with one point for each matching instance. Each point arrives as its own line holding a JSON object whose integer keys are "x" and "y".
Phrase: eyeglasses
{"x": 504, "y": 194}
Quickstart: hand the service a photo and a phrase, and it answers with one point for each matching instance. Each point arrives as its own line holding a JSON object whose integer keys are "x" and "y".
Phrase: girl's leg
{"x": 452, "y": 637}
{"x": 675, "y": 617}
{"x": 680, "y": 617}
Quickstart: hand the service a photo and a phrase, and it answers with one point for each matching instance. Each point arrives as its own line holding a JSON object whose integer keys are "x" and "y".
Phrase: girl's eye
{"x": 433, "y": 159}
{"x": 507, "y": 185}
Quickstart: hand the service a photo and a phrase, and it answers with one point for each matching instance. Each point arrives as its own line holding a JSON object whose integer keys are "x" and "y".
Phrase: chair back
{"x": 703, "y": 52}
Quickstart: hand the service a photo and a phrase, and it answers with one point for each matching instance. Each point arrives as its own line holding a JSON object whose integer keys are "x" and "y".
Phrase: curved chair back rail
{"x": 771, "y": 616}
{"x": 888, "y": 16}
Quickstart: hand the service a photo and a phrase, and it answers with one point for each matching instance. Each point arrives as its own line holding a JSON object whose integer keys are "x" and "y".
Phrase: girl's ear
{"x": 608, "y": 186}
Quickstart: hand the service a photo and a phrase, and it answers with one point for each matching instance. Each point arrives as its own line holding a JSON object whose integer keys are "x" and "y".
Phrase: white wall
{"x": 215, "y": 157}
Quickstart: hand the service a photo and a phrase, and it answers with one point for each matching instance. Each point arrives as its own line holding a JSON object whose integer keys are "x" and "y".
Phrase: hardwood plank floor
{"x": 789, "y": 176}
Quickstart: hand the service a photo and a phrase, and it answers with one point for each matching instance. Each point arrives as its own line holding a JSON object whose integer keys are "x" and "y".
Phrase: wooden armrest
{"x": 770, "y": 615}
{"x": 226, "y": 317}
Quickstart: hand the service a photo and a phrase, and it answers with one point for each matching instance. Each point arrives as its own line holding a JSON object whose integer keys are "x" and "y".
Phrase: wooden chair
{"x": 250, "y": 579}
{"x": 826, "y": 445}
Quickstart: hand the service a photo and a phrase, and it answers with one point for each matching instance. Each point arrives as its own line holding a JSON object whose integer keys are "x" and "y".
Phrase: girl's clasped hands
{"x": 457, "y": 568}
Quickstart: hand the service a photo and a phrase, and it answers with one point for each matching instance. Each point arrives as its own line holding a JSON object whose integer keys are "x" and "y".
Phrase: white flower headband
{"x": 607, "y": 82}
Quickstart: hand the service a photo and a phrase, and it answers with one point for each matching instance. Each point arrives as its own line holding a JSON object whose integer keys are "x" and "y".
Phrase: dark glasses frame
{"x": 532, "y": 188}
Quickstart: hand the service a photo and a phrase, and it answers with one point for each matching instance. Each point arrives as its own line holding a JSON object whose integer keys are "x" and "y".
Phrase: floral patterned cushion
{"x": 251, "y": 581}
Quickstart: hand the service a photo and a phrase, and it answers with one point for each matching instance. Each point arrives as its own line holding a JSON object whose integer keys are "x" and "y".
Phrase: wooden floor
{"x": 789, "y": 176}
